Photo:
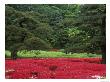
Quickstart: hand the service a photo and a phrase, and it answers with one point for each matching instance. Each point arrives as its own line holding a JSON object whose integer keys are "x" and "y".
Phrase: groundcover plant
{"x": 55, "y": 68}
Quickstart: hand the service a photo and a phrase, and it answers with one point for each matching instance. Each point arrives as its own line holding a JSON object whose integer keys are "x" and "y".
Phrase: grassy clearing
{"x": 50, "y": 54}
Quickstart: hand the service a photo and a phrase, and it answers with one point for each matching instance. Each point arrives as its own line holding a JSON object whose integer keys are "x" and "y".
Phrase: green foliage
{"x": 7, "y": 54}
{"x": 39, "y": 53}
{"x": 87, "y": 34}
{"x": 37, "y": 44}
{"x": 50, "y": 54}
{"x": 73, "y": 27}
{"x": 15, "y": 36}
{"x": 44, "y": 32}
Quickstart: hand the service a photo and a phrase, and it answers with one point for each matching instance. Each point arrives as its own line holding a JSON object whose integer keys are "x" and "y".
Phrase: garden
{"x": 55, "y": 41}
{"x": 36, "y": 64}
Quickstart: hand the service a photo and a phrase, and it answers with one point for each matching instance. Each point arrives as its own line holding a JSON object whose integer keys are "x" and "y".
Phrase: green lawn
{"x": 51, "y": 54}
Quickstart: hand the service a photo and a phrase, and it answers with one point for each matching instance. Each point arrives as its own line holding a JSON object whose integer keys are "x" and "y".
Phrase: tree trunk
{"x": 14, "y": 54}
{"x": 104, "y": 55}
{"x": 103, "y": 46}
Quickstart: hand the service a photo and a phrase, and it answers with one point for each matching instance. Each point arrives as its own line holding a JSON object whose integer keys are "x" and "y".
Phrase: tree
{"x": 35, "y": 43}
{"x": 93, "y": 21}
{"x": 74, "y": 27}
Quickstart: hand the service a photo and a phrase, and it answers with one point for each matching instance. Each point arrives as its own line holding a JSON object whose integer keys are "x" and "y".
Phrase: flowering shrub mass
{"x": 55, "y": 68}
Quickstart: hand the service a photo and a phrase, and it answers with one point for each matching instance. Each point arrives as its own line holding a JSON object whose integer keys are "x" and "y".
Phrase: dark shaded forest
{"x": 72, "y": 27}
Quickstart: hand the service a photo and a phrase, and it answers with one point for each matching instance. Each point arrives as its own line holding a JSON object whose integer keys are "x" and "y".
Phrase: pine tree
{"x": 92, "y": 20}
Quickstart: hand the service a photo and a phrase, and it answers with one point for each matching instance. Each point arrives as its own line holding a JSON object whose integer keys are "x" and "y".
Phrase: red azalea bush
{"x": 55, "y": 68}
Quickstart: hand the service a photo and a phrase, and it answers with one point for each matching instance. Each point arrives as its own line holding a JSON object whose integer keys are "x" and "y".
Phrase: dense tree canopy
{"x": 73, "y": 27}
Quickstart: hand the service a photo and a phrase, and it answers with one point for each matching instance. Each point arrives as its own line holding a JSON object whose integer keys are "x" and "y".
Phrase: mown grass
{"x": 50, "y": 54}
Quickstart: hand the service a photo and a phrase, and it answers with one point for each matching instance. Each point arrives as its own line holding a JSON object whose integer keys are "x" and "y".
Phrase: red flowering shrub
{"x": 55, "y": 68}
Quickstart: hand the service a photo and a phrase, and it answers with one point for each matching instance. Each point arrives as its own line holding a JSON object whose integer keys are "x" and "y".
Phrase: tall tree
{"x": 92, "y": 20}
